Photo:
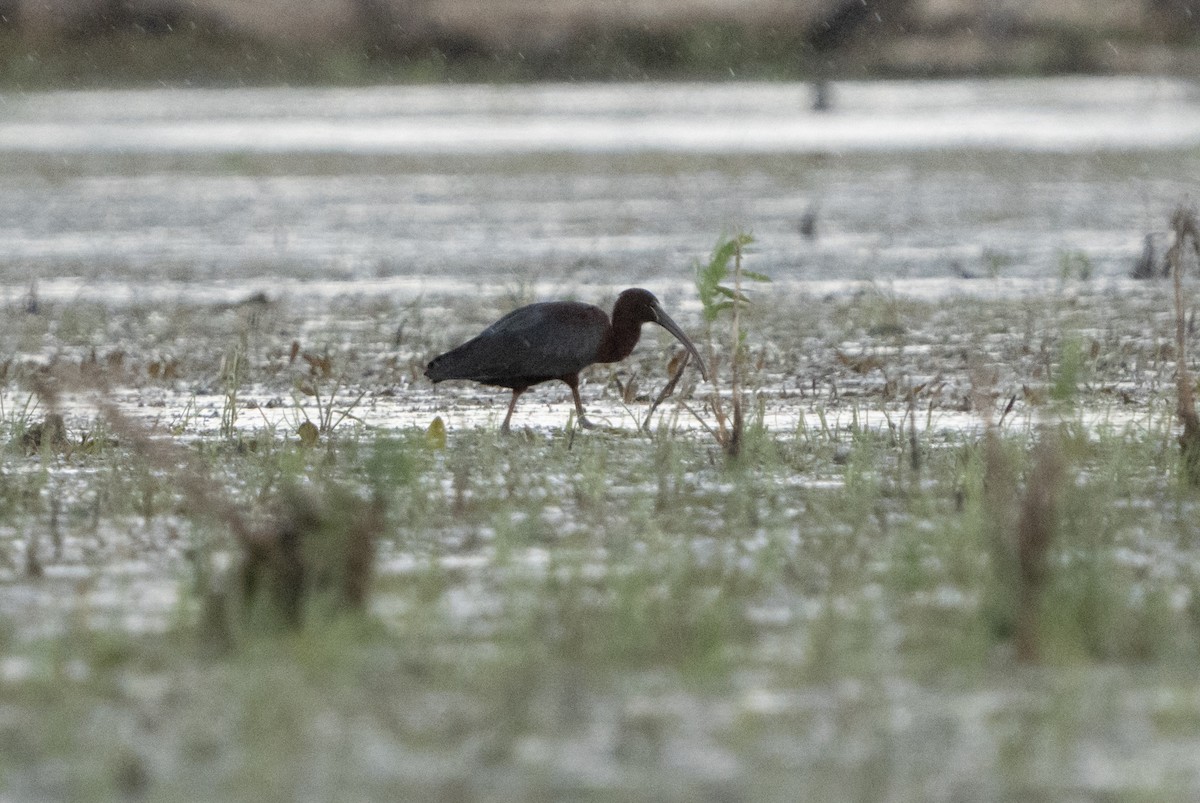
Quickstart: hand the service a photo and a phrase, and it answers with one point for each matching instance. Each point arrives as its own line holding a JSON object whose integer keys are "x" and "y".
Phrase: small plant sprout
{"x": 233, "y": 373}
{"x": 718, "y": 299}
{"x": 329, "y": 416}
{"x": 1074, "y": 265}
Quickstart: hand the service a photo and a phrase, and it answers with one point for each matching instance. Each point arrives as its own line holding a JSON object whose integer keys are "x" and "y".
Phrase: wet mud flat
{"x": 866, "y": 349}
{"x": 233, "y": 332}
{"x": 604, "y": 612}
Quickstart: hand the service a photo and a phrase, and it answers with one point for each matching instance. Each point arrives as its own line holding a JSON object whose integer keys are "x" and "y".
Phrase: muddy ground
{"x": 851, "y": 607}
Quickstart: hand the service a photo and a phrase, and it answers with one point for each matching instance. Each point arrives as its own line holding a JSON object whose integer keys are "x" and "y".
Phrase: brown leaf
{"x": 860, "y": 365}
{"x": 308, "y": 433}
{"x": 317, "y": 364}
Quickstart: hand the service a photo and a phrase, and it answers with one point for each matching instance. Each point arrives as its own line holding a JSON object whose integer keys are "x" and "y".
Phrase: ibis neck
{"x": 619, "y": 341}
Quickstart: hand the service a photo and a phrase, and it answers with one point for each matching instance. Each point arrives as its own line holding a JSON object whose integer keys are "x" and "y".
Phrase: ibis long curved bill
{"x": 664, "y": 320}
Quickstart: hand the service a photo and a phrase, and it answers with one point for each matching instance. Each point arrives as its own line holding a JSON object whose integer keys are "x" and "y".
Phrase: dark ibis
{"x": 555, "y": 340}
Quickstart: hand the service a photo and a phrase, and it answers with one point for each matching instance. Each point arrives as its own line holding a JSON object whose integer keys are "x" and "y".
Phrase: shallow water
{"x": 1061, "y": 115}
{"x": 611, "y": 185}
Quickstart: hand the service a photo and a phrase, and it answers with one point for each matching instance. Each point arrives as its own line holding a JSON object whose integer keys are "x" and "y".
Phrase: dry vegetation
{"x": 349, "y": 41}
{"x": 1185, "y": 230}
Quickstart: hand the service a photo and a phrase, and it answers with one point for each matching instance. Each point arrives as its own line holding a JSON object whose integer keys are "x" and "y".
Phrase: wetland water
{"x": 436, "y": 195}
{"x": 610, "y": 185}
{"x": 604, "y": 614}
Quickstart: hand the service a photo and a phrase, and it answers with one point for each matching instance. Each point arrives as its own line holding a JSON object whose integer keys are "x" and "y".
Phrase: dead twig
{"x": 733, "y": 447}
{"x": 1185, "y": 228}
{"x": 667, "y": 390}
{"x": 1037, "y": 525}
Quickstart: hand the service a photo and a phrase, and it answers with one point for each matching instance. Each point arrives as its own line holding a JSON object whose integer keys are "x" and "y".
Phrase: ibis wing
{"x": 529, "y": 345}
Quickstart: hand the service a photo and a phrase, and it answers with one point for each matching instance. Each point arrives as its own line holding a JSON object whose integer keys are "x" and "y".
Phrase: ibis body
{"x": 554, "y": 340}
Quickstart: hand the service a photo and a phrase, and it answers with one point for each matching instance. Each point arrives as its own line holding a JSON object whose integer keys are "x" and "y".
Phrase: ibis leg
{"x": 573, "y": 383}
{"x": 512, "y": 405}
